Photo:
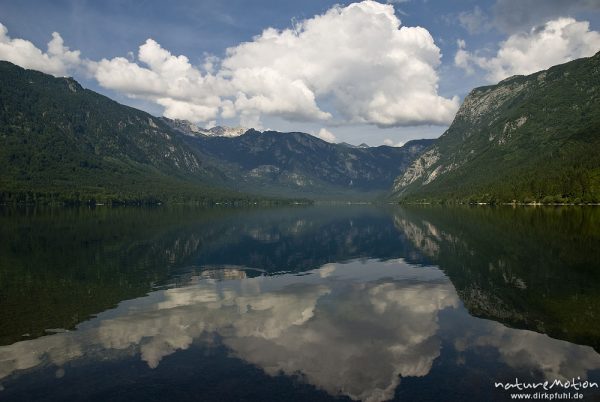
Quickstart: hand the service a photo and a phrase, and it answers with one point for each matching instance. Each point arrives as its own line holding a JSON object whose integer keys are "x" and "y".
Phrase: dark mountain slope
{"x": 528, "y": 138}
{"x": 59, "y": 141}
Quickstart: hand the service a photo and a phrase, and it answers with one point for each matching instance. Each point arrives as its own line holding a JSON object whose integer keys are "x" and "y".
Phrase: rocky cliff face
{"x": 504, "y": 132}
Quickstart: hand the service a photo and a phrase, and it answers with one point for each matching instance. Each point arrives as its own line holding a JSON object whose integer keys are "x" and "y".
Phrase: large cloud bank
{"x": 353, "y": 64}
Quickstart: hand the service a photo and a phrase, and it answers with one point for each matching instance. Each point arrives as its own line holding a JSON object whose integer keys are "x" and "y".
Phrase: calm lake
{"x": 298, "y": 304}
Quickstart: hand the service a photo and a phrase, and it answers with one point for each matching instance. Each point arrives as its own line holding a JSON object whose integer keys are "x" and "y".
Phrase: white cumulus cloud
{"x": 326, "y": 135}
{"x": 58, "y": 60}
{"x": 391, "y": 143}
{"x": 558, "y": 41}
{"x": 356, "y": 64}
{"x": 168, "y": 80}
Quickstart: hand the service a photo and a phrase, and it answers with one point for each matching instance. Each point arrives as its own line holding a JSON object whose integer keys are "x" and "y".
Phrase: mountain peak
{"x": 188, "y": 128}
{"x": 224, "y": 131}
{"x": 363, "y": 145}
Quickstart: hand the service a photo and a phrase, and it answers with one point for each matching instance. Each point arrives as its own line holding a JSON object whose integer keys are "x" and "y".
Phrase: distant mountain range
{"x": 298, "y": 164}
{"x": 532, "y": 138}
{"x": 60, "y": 142}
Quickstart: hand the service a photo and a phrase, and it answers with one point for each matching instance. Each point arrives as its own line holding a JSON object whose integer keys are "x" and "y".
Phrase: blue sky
{"x": 354, "y": 94}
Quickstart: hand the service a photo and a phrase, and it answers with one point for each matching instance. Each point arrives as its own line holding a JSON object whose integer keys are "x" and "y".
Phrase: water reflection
{"x": 526, "y": 350}
{"x": 360, "y": 303}
{"x": 534, "y": 268}
{"x": 350, "y": 329}
{"x": 59, "y": 267}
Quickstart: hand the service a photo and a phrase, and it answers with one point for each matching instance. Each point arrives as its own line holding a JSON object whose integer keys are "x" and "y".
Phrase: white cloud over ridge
{"x": 353, "y": 64}
{"x": 326, "y": 135}
{"x": 391, "y": 143}
{"x": 168, "y": 80}
{"x": 58, "y": 60}
{"x": 558, "y": 41}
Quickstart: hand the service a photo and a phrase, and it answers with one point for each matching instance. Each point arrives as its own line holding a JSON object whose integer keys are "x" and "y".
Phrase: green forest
{"x": 61, "y": 143}
{"x": 538, "y": 141}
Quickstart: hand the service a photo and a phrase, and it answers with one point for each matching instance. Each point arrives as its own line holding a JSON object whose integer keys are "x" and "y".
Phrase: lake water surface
{"x": 298, "y": 304}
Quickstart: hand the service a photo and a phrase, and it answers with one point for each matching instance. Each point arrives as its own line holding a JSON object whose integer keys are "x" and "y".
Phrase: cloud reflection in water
{"x": 350, "y": 329}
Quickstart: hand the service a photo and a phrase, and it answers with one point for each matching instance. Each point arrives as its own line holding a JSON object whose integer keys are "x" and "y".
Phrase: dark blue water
{"x": 306, "y": 304}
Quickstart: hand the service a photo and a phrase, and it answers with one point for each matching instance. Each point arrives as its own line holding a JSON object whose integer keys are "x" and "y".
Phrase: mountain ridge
{"x": 297, "y": 163}
{"x": 525, "y": 139}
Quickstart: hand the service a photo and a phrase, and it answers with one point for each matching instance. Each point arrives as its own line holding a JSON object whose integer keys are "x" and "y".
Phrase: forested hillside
{"x": 528, "y": 138}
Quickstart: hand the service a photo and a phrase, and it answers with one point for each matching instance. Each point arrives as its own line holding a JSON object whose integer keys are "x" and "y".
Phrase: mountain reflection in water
{"x": 356, "y": 327}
